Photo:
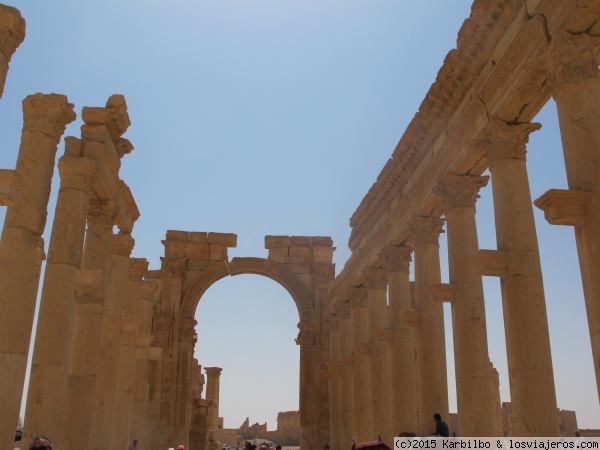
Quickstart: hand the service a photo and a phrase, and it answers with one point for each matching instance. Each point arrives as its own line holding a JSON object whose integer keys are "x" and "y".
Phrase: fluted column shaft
{"x": 49, "y": 380}
{"x": 530, "y": 371}
{"x": 403, "y": 363}
{"x": 347, "y": 386}
{"x": 431, "y": 341}
{"x": 213, "y": 375}
{"x": 474, "y": 387}
{"x": 577, "y": 96}
{"x": 361, "y": 374}
{"x": 22, "y": 248}
{"x": 335, "y": 388}
{"x": 381, "y": 370}
{"x": 108, "y": 375}
{"x": 85, "y": 360}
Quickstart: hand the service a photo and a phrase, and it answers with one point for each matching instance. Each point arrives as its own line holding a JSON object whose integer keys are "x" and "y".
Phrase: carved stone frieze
{"x": 502, "y": 140}
{"x": 122, "y": 245}
{"x": 425, "y": 229}
{"x": 357, "y": 297}
{"x": 48, "y": 114}
{"x": 77, "y": 173}
{"x": 173, "y": 267}
{"x": 459, "y": 191}
{"x": 137, "y": 268}
{"x": 397, "y": 259}
{"x": 571, "y": 57}
{"x": 376, "y": 278}
{"x": 12, "y": 30}
{"x": 102, "y": 213}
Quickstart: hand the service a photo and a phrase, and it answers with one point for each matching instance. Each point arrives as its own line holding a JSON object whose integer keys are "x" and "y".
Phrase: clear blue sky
{"x": 273, "y": 117}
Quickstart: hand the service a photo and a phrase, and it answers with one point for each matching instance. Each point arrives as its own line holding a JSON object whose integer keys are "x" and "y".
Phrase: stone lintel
{"x": 85, "y": 281}
{"x": 444, "y": 292}
{"x": 384, "y": 335}
{"x": 364, "y": 348}
{"x": 10, "y": 187}
{"x": 492, "y": 263}
{"x": 564, "y": 207}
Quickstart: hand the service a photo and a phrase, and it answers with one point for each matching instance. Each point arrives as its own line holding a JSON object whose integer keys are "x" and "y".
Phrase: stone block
{"x": 306, "y": 278}
{"x": 299, "y": 268}
{"x": 321, "y": 241}
{"x": 300, "y": 255}
{"x": 175, "y": 249}
{"x": 227, "y": 239}
{"x": 154, "y": 274}
{"x": 197, "y": 251}
{"x": 175, "y": 235}
{"x": 199, "y": 237}
{"x": 300, "y": 241}
{"x": 279, "y": 255}
{"x": 218, "y": 252}
{"x": 277, "y": 241}
{"x": 198, "y": 266}
{"x": 323, "y": 254}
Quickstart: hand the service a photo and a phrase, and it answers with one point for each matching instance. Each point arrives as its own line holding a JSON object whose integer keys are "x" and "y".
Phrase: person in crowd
{"x": 40, "y": 443}
{"x": 441, "y": 427}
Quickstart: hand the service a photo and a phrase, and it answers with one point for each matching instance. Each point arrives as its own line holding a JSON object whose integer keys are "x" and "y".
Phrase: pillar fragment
{"x": 12, "y": 34}
{"x": 335, "y": 388}
{"x": 346, "y": 376}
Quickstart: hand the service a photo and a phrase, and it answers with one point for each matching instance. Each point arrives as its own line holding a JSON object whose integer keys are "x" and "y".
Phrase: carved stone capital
{"x": 102, "y": 213}
{"x": 397, "y": 259}
{"x": 459, "y": 191}
{"x": 122, "y": 245}
{"x": 376, "y": 278}
{"x": 76, "y": 173}
{"x": 213, "y": 372}
{"x": 12, "y": 30}
{"x": 137, "y": 268}
{"x": 48, "y": 114}
{"x": 357, "y": 297}
{"x": 114, "y": 116}
{"x": 571, "y": 58}
{"x": 501, "y": 140}
{"x": 173, "y": 267}
{"x": 425, "y": 229}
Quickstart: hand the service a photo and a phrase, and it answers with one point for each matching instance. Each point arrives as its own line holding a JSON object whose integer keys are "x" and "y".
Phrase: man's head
{"x": 577, "y": 433}
{"x": 41, "y": 443}
{"x": 181, "y": 447}
{"x": 437, "y": 417}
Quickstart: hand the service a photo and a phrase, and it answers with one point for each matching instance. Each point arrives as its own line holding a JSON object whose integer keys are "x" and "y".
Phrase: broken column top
{"x": 12, "y": 30}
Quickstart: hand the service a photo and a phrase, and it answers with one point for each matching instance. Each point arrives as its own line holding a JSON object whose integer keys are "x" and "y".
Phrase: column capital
{"x": 48, "y": 114}
{"x": 213, "y": 372}
{"x": 501, "y": 140}
{"x": 76, "y": 173}
{"x": 571, "y": 58}
{"x": 425, "y": 229}
{"x": 173, "y": 267}
{"x": 12, "y": 30}
{"x": 376, "y": 278}
{"x": 459, "y": 191}
{"x": 137, "y": 268}
{"x": 102, "y": 213}
{"x": 357, "y": 297}
{"x": 122, "y": 245}
{"x": 397, "y": 259}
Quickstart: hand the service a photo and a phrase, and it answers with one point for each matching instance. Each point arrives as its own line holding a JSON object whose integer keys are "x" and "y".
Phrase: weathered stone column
{"x": 431, "y": 341}
{"x": 575, "y": 74}
{"x": 213, "y": 375}
{"x": 108, "y": 375}
{"x": 403, "y": 363}
{"x": 474, "y": 387}
{"x": 361, "y": 373}
{"x": 22, "y": 248}
{"x": 530, "y": 372}
{"x": 85, "y": 357}
{"x": 347, "y": 387}
{"x": 56, "y": 321}
{"x": 12, "y": 34}
{"x": 130, "y": 325}
{"x": 335, "y": 386}
{"x": 187, "y": 339}
{"x": 380, "y": 359}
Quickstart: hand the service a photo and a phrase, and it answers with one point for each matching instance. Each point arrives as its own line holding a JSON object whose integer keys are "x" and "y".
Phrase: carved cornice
{"x": 48, "y": 114}
{"x": 173, "y": 267}
{"x": 571, "y": 57}
{"x": 12, "y": 30}
{"x": 137, "y": 268}
{"x": 501, "y": 140}
{"x": 376, "y": 278}
{"x": 425, "y": 230}
{"x": 358, "y": 297}
{"x": 122, "y": 245}
{"x": 459, "y": 191}
{"x": 102, "y": 213}
{"x": 397, "y": 259}
{"x": 76, "y": 173}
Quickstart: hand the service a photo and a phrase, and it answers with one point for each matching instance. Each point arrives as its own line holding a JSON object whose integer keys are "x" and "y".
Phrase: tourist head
{"x": 577, "y": 433}
{"x": 41, "y": 443}
{"x": 181, "y": 447}
{"x": 437, "y": 417}
{"x": 278, "y": 447}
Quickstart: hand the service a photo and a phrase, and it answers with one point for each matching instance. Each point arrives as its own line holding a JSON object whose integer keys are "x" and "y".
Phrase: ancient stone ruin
{"x": 115, "y": 340}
